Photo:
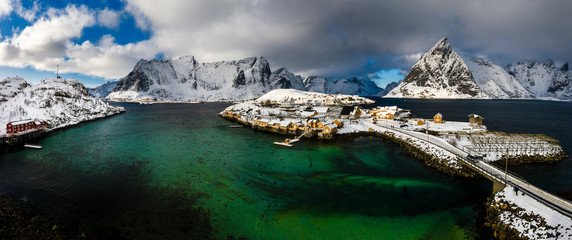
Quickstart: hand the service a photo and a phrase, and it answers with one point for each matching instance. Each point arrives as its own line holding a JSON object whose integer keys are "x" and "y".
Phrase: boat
{"x": 33, "y": 146}
{"x": 292, "y": 140}
{"x": 236, "y": 126}
{"x": 145, "y": 103}
{"x": 283, "y": 144}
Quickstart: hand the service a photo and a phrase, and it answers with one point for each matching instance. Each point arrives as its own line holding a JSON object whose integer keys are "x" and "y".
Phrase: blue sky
{"x": 96, "y": 41}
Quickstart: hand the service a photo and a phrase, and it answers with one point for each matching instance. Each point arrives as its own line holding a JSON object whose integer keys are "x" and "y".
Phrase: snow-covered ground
{"x": 299, "y": 97}
{"x": 531, "y": 218}
{"x": 58, "y": 102}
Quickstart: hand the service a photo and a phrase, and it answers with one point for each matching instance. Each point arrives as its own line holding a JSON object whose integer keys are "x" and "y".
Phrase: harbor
{"x": 463, "y": 149}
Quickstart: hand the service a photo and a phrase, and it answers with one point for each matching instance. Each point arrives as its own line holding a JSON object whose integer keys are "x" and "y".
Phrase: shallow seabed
{"x": 177, "y": 171}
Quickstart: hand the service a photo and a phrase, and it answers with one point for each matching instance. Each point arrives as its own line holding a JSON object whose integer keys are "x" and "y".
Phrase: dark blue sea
{"x": 178, "y": 171}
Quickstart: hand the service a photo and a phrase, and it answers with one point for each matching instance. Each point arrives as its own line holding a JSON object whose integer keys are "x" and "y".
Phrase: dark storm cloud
{"x": 332, "y": 38}
{"x": 340, "y": 38}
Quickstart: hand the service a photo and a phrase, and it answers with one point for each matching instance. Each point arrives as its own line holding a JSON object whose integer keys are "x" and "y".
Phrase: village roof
{"x": 22, "y": 122}
{"x": 322, "y": 109}
{"x": 347, "y": 110}
{"x": 331, "y": 125}
{"x": 472, "y": 115}
{"x": 307, "y": 113}
{"x": 439, "y": 114}
{"x": 273, "y": 121}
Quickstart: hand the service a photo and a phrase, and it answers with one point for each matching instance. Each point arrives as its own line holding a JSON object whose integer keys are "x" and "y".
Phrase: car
{"x": 374, "y": 122}
{"x": 475, "y": 157}
{"x": 404, "y": 125}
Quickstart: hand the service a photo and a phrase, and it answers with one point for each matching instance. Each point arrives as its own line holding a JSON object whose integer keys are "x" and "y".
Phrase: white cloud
{"x": 109, "y": 18}
{"x": 5, "y": 7}
{"x": 28, "y": 14}
{"x": 327, "y": 38}
{"x": 49, "y": 42}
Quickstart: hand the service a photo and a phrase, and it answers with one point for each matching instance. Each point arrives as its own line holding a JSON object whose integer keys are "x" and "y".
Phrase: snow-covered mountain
{"x": 355, "y": 86}
{"x": 495, "y": 81}
{"x": 103, "y": 90}
{"x": 440, "y": 73}
{"x": 543, "y": 78}
{"x": 184, "y": 78}
{"x": 390, "y": 86}
{"x": 59, "y": 102}
{"x": 283, "y": 79}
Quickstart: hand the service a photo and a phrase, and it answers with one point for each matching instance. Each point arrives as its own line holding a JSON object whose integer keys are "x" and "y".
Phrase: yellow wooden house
{"x": 438, "y": 118}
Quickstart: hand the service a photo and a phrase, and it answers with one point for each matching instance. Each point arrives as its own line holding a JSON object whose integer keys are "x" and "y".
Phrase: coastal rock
{"x": 59, "y": 102}
{"x": 440, "y": 73}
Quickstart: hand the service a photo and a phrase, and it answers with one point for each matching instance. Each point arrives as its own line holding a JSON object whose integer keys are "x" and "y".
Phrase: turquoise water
{"x": 177, "y": 171}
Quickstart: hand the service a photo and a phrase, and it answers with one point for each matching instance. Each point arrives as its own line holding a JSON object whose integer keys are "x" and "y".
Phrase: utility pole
{"x": 506, "y": 166}
{"x": 427, "y": 132}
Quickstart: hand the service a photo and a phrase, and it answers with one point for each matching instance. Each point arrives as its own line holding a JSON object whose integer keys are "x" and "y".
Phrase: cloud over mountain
{"x": 326, "y": 38}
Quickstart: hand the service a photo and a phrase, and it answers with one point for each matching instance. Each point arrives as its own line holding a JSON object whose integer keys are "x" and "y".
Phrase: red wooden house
{"x": 23, "y": 125}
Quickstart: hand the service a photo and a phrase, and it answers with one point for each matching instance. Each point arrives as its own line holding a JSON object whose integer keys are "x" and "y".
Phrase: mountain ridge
{"x": 184, "y": 78}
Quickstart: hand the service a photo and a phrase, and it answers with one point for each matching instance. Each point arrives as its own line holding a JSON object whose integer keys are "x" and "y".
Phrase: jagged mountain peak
{"x": 441, "y": 48}
{"x": 564, "y": 67}
{"x": 440, "y": 73}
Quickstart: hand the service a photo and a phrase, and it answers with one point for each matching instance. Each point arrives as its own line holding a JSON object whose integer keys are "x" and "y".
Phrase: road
{"x": 560, "y": 205}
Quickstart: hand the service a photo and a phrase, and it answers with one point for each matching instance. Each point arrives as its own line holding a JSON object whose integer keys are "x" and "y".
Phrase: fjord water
{"x": 177, "y": 171}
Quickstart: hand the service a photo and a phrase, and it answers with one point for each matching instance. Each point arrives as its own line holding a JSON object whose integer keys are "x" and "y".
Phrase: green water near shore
{"x": 177, "y": 171}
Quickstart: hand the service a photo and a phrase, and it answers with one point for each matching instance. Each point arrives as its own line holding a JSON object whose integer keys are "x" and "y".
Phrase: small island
{"x": 455, "y": 148}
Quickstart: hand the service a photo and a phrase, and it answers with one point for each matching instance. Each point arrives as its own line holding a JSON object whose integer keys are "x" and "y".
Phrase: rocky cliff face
{"x": 59, "y": 102}
{"x": 388, "y": 88}
{"x": 495, "y": 81}
{"x": 186, "y": 79}
{"x": 440, "y": 73}
{"x": 543, "y": 78}
{"x": 103, "y": 90}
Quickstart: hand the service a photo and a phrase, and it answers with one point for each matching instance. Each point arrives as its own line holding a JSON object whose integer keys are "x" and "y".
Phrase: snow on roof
{"x": 332, "y": 125}
{"x": 472, "y": 115}
{"x": 439, "y": 114}
{"x": 22, "y": 122}
{"x": 322, "y": 109}
{"x": 307, "y": 114}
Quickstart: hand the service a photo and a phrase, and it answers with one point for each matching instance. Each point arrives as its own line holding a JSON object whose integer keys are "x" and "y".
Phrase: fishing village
{"x": 464, "y": 149}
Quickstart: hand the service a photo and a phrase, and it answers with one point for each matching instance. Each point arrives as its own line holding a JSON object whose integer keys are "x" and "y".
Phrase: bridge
{"x": 499, "y": 177}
